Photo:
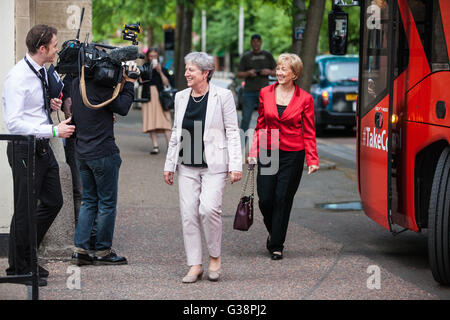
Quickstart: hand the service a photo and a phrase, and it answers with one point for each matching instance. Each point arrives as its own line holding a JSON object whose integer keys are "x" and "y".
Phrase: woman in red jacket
{"x": 284, "y": 136}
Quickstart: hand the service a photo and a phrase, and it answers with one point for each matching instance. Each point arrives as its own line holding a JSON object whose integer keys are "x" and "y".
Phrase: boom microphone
{"x": 123, "y": 54}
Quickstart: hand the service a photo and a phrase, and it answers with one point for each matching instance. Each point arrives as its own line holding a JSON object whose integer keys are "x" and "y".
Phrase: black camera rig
{"x": 130, "y": 32}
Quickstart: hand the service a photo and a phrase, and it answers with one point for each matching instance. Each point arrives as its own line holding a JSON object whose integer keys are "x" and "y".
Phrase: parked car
{"x": 335, "y": 91}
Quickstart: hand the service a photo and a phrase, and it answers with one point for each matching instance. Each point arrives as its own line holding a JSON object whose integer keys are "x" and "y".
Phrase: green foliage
{"x": 270, "y": 18}
{"x": 275, "y": 26}
{"x": 110, "y": 15}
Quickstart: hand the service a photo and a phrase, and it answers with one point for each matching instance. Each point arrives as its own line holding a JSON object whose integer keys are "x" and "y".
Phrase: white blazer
{"x": 221, "y": 136}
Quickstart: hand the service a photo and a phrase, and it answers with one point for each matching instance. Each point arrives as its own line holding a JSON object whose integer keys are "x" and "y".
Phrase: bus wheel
{"x": 439, "y": 221}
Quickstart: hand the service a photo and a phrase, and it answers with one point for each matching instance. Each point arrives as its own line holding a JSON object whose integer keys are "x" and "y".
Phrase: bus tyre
{"x": 439, "y": 221}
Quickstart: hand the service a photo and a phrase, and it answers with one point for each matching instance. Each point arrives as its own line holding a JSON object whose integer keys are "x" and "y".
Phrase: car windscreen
{"x": 342, "y": 71}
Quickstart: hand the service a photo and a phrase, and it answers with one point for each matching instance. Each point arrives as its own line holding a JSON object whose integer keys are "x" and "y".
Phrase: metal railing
{"x": 31, "y": 199}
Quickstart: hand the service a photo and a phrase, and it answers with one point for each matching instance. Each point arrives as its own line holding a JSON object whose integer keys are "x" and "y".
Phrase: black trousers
{"x": 69, "y": 150}
{"x": 48, "y": 194}
{"x": 276, "y": 192}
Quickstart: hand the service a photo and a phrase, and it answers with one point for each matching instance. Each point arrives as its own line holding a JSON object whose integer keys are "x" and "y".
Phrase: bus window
{"x": 375, "y": 54}
{"x": 401, "y": 59}
{"x": 427, "y": 17}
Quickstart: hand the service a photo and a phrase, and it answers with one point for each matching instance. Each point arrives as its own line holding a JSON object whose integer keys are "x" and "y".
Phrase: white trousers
{"x": 201, "y": 206}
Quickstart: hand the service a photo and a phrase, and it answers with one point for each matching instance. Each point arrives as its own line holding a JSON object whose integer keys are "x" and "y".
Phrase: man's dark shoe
{"x": 111, "y": 259}
{"x": 81, "y": 259}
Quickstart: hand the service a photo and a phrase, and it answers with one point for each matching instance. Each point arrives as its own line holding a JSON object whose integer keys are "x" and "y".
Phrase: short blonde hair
{"x": 293, "y": 61}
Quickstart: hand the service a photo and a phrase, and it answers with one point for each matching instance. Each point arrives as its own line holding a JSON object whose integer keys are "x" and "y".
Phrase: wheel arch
{"x": 424, "y": 169}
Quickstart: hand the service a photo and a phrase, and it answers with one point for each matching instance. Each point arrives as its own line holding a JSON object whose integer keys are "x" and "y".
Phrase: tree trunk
{"x": 298, "y": 21}
{"x": 183, "y": 39}
{"x": 178, "y": 28}
{"x": 309, "y": 46}
{"x": 150, "y": 37}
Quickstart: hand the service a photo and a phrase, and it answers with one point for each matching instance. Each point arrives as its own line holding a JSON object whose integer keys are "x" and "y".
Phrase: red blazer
{"x": 294, "y": 131}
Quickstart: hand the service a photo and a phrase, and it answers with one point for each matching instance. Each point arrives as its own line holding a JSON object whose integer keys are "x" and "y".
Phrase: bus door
{"x": 375, "y": 85}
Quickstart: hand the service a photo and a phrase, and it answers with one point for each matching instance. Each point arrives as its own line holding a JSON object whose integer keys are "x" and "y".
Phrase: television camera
{"x": 99, "y": 62}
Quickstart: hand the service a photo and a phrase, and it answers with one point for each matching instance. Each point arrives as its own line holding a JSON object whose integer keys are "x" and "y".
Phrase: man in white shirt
{"x": 26, "y": 111}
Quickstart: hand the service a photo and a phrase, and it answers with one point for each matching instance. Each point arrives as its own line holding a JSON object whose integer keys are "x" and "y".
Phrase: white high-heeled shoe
{"x": 214, "y": 275}
{"x": 193, "y": 279}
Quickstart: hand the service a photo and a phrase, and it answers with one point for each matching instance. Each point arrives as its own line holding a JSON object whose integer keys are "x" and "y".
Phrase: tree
{"x": 183, "y": 38}
{"x": 298, "y": 21}
{"x": 309, "y": 45}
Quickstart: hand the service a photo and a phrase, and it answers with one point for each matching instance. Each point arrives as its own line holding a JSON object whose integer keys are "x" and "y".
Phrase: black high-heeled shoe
{"x": 155, "y": 150}
{"x": 277, "y": 256}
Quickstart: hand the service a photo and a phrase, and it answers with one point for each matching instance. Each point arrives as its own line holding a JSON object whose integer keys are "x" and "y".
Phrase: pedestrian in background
{"x": 154, "y": 119}
{"x": 284, "y": 135}
{"x": 205, "y": 137}
{"x": 255, "y": 66}
{"x": 26, "y": 111}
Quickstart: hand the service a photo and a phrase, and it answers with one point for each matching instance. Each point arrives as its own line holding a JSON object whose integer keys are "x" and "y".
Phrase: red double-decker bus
{"x": 403, "y": 122}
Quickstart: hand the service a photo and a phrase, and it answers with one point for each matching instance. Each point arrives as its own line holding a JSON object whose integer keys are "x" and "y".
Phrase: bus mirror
{"x": 337, "y": 31}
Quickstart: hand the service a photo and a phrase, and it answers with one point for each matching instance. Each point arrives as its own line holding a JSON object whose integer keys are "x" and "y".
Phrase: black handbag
{"x": 167, "y": 99}
{"x": 244, "y": 212}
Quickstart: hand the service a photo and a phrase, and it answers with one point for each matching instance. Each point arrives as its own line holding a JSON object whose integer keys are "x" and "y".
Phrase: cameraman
{"x": 98, "y": 160}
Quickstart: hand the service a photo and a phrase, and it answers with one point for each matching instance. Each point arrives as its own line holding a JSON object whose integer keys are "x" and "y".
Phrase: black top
{"x": 280, "y": 109}
{"x": 155, "y": 81}
{"x": 67, "y": 87}
{"x": 193, "y": 122}
{"x": 258, "y": 61}
{"x": 95, "y": 127}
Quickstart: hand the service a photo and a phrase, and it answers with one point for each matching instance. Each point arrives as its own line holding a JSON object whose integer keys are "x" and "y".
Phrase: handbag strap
{"x": 249, "y": 175}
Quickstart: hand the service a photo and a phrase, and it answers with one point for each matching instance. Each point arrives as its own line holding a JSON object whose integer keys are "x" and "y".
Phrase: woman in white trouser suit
{"x": 205, "y": 148}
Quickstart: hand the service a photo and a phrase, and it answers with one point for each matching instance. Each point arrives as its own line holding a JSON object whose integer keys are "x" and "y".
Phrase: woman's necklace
{"x": 200, "y": 99}
{"x": 203, "y": 96}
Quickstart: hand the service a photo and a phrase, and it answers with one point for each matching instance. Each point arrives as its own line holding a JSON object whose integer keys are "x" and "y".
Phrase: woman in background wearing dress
{"x": 154, "y": 119}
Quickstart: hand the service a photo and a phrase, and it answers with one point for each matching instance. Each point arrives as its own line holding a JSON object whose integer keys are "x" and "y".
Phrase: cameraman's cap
{"x": 256, "y": 36}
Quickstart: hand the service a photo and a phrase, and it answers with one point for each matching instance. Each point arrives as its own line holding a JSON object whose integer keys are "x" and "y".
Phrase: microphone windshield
{"x": 123, "y": 54}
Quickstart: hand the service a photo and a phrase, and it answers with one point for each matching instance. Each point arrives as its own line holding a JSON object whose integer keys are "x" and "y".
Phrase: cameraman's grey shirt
{"x": 95, "y": 127}
{"x": 23, "y": 101}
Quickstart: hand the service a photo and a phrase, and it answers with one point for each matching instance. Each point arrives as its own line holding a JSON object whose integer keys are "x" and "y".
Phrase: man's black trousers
{"x": 49, "y": 197}
{"x": 276, "y": 192}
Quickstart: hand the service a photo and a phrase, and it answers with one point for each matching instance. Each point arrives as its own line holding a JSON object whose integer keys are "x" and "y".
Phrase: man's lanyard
{"x": 45, "y": 89}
